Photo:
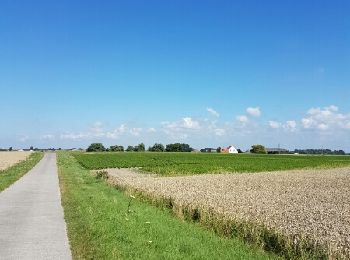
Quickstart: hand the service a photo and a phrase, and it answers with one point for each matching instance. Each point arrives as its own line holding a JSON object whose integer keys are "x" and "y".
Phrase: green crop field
{"x": 195, "y": 163}
{"x": 105, "y": 223}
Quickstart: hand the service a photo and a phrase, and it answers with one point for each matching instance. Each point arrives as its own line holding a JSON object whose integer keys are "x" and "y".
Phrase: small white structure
{"x": 232, "y": 149}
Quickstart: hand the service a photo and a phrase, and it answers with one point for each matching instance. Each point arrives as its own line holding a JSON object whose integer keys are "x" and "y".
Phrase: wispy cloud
{"x": 213, "y": 112}
{"x": 48, "y": 137}
{"x": 23, "y": 138}
{"x": 253, "y": 111}
{"x": 242, "y": 119}
{"x": 275, "y": 124}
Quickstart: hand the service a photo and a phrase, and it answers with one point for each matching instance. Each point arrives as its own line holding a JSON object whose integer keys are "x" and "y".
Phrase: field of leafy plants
{"x": 198, "y": 163}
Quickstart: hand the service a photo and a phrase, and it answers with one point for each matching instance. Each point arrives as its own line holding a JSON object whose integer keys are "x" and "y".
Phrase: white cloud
{"x": 317, "y": 123}
{"x": 48, "y": 137}
{"x": 253, "y": 111}
{"x": 151, "y": 130}
{"x": 73, "y": 136}
{"x": 23, "y": 138}
{"x": 136, "y": 131}
{"x": 117, "y": 132}
{"x": 242, "y": 119}
{"x": 213, "y": 112}
{"x": 184, "y": 123}
{"x": 326, "y": 118}
{"x": 96, "y": 132}
{"x": 290, "y": 125}
{"x": 275, "y": 124}
{"x": 219, "y": 131}
{"x": 189, "y": 123}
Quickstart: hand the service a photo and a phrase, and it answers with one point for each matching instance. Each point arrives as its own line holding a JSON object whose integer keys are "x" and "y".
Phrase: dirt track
{"x": 313, "y": 203}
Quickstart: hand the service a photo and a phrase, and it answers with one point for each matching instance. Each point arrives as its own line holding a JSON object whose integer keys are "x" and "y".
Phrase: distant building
{"x": 208, "y": 150}
{"x": 230, "y": 149}
{"x": 276, "y": 151}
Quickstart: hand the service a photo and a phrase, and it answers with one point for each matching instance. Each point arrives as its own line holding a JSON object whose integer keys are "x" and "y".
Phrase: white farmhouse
{"x": 230, "y": 149}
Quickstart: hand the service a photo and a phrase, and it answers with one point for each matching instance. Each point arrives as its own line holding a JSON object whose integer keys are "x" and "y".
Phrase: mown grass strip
{"x": 105, "y": 223}
{"x": 13, "y": 173}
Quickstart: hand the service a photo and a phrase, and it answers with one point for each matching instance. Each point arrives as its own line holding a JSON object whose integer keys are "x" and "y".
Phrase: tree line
{"x": 157, "y": 147}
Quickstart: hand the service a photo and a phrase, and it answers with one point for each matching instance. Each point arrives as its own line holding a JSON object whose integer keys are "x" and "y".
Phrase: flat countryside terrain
{"x": 308, "y": 208}
{"x": 198, "y": 163}
{"x": 287, "y": 212}
{"x": 106, "y": 223}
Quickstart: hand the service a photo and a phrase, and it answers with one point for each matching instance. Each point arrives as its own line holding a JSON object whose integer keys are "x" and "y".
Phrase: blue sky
{"x": 208, "y": 73}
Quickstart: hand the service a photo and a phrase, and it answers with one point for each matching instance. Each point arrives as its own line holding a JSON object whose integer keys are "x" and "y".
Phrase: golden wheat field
{"x": 301, "y": 205}
{"x": 8, "y": 159}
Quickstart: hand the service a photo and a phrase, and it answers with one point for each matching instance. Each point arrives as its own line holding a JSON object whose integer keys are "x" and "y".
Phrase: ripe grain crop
{"x": 8, "y": 159}
{"x": 17, "y": 170}
{"x": 170, "y": 164}
{"x": 104, "y": 223}
{"x": 302, "y": 214}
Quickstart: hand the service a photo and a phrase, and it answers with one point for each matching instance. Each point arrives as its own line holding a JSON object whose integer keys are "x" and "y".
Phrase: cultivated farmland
{"x": 168, "y": 164}
{"x": 300, "y": 213}
{"x": 295, "y": 213}
{"x": 8, "y": 159}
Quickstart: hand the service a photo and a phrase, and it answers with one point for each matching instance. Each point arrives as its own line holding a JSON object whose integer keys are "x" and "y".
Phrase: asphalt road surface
{"x": 31, "y": 216}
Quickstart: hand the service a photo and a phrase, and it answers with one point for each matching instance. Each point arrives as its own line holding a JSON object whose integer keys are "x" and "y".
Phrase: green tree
{"x": 140, "y": 147}
{"x": 116, "y": 148}
{"x": 177, "y": 147}
{"x": 130, "y": 148}
{"x": 157, "y": 148}
{"x": 258, "y": 148}
{"x": 96, "y": 147}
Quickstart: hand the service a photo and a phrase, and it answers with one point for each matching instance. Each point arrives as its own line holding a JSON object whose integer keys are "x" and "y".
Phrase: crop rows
{"x": 296, "y": 213}
{"x": 191, "y": 163}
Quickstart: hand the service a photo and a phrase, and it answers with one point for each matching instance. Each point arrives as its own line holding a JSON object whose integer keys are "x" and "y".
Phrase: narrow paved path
{"x": 31, "y": 216}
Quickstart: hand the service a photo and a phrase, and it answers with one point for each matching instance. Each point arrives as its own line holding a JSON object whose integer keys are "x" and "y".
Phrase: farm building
{"x": 230, "y": 149}
{"x": 208, "y": 150}
{"x": 276, "y": 151}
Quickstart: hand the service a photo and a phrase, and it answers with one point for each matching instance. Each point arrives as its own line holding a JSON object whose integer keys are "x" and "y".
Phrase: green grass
{"x": 100, "y": 226}
{"x": 12, "y": 174}
{"x": 191, "y": 163}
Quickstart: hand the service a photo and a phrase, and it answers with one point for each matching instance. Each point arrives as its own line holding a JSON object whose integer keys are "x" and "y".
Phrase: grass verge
{"x": 252, "y": 233}
{"x": 13, "y": 173}
{"x": 105, "y": 223}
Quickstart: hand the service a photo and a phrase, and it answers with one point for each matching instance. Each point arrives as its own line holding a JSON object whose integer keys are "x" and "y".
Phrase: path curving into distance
{"x": 32, "y": 223}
